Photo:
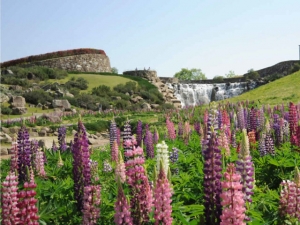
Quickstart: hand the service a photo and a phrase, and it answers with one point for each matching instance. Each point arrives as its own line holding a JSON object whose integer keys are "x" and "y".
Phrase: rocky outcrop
{"x": 18, "y": 105}
{"x": 61, "y": 104}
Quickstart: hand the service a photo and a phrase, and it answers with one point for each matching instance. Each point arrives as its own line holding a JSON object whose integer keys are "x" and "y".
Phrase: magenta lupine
{"x": 118, "y": 136}
{"x": 139, "y": 133}
{"x": 81, "y": 165}
{"x": 62, "y": 138}
{"x": 112, "y": 134}
{"x": 253, "y": 119}
{"x": 39, "y": 163}
{"x": 141, "y": 195}
{"x": 9, "y": 199}
{"x": 120, "y": 170}
{"x": 14, "y": 157}
{"x": 28, "y": 213}
{"x": 186, "y": 132}
{"x": 122, "y": 209}
{"x": 197, "y": 126}
{"x": 226, "y": 123}
{"x": 155, "y": 136}
{"x": 24, "y": 154}
{"x": 171, "y": 129}
{"x": 212, "y": 170}
{"x": 91, "y": 204}
{"x": 293, "y": 122}
{"x": 162, "y": 199}
{"x": 180, "y": 129}
{"x": 114, "y": 151}
{"x": 233, "y": 203}
{"x": 149, "y": 144}
{"x": 242, "y": 121}
{"x": 223, "y": 142}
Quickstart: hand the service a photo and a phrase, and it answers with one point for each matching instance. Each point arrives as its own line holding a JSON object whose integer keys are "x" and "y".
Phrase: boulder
{"x": 146, "y": 106}
{"x": 18, "y": 101}
{"x": 4, "y": 98}
{"x": 51, "y": 118}
{"x": 42, "y": 133}
{"x": 4, "y": 151}
{"x": 15, "y": 88}
{"x": 19, "y": 110}
{"x": 62, "y": 104}
{"x": 116, "y": 97}
{"x": 7, "y": 72}
{"x": 42, "y": 143}
{"x": 154, "y": 106}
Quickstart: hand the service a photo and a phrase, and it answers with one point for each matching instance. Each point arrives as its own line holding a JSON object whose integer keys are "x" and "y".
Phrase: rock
{"x": 92, "y": 141}
{"x": 5, "y": 130}
{"x": 18, "y": 101}
{"x": 62, "y": 104}
{"x": 34, "y": 134}
{"x": 68, "y": 94}
{"x": 105, "y": 135}
{"x": 136, "y": 99}
{"x": 146, "y": 106}
{"x": 116, "y": 97}
{"x": 39, "y": 105}
{"x": 14, "y": 130}
{"x": 7, "y": 72}
{"x": 4, "y": 98}
{"x": 42, "y": 133}
{"x": 55, "y": 133}
{"x": 41, "y": 143}
{"x": 94, "y": 136}
{"x": 19, "y": 110}
{"x": 4, "y": 151}
{"x": 53, "y": 119}
{"x": 154, "y": 106}
{"x": 45, "y": 107}
{"x": 73, "y": 111}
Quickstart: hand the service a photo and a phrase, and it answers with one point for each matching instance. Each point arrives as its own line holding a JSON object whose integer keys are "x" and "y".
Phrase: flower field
{"x": 222, "y": 164}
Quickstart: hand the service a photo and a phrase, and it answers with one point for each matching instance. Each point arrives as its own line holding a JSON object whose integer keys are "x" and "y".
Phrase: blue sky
{"x": 213, "y": 35}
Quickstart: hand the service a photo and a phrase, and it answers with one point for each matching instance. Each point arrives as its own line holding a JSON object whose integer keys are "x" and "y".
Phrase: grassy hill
{"x": 284, "y": 90}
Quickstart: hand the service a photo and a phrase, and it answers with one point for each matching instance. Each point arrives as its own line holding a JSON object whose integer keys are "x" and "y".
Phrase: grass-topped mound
{"x": 52, "y": 55}
{"x": 284, "y": 90}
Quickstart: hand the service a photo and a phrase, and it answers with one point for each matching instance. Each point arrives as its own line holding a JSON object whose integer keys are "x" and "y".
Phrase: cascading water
{"x": 191, "y": 94}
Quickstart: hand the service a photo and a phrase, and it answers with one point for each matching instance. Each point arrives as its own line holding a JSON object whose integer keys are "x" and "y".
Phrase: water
{"x": 195, "y": 94}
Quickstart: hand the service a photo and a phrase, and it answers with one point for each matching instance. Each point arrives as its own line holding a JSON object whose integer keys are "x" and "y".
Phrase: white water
{"x": 196, "y": 94}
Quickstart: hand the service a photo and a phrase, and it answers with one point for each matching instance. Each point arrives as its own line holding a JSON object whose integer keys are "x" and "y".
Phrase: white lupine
{"x": 162, "y": 154}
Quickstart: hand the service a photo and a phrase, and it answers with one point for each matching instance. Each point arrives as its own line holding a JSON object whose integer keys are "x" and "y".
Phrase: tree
{"x": 230, "y": 74}
{"x": 192, "y": 74}
{"x": 252, "y": 74}
{"x": 114, "y": 70}
{"x": 218, "y": 78}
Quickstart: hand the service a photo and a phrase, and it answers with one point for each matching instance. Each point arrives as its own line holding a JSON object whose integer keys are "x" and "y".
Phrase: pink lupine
{"x": 223, "y": 142}
{"x": 186, "y": 132}
{"x": 114, "y": 151}
{"x": 39, "y": 163}
{"x": 233, "y": 203}
{"x": 171, "y": 129}
{"x": 293, "y": 122}
{"x": 27, "y": 204}
{"x": 91, "y": 204}
{"x": 162, "y": 199}
{"x": 9, "y": 199}
{"x": 122, "y": 209}
{"x": 120, "y": 170}
{"x": 14, "y": 157}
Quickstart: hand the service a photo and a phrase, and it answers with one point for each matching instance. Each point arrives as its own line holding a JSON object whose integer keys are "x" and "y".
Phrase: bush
{"x": 37, "y": 96}
{"x": 88, "y": 101}
{"x": 121, "y": 104}
{"x": 129, "y": 87}
{"x": 101, "y": 90}
{"x": 98, "y": 126}
{"x": 11, "y": 80}
{"x": 295, "y": 68}
{"x": 218, "y": 78}
{"x": 252, "y": 75}
{"x": 6, "y": 110}
{"x": 74, "y": 91}
{"x": 79, "y": 83}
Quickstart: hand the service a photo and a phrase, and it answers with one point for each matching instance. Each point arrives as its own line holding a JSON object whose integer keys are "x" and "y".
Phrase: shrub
{"x": 38, "y": 96}
{"x": 79, "y": 83}
{"x": 114, "y": 70}
{"x": 218, "y": 78}
{"x": 121, "y": 104}
{"x": 252, "y": 74}
{"x": 88, "y": 101}
{"x": 74, "y": 91}
{"x": 98, "y": 126}
{"x": 129, "y": 87}
{"x": 101, "y": 90}
{"x": 295, "y": 68}
{"x": 6, "y": 110}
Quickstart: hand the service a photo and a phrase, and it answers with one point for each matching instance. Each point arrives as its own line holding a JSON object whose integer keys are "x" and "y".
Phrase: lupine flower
{"x": 9, "y": 199}
{"x": 91, "y": 204}
{"x": 81, "y": 165}
{"x": 120, "y": 170}
{"x": 112, "y": 134}
{"x": 262, "y": 144}
{"x": 223, "y": 142}
{"x": 171, "y": 129}
{"x": 54, "y": 147}
{"x": 127, "y": 137}
{"x": 180, "y": 129}
{"x": 122, "y": 209}
{"x": 242, "y": 121}
{"x": 94, "y": 170}
{"x": 27, "y": 204}
{"x": 212, "y": 170}
{"x": 232, "y": 198}
{"x": 24, "y": 154}
{"x": 114, "y": 151}
{"x": 186, "y": 132}
{"x": 139, "y": 133}
{"x": 149, "y": 144}
{"x": 253, "y": 119}
{"x": 141, "y": 200}
{"x": 14, "y": 157}
{"x": 62, "y": 138}
{"x": 293, "y": 122}
{"x": 162, "y": 156}
{"x": 269, "y": 144}
{"x": 162, "y": 199}
{"x": 245, "y": 168}
{"x": 233, "y": 139}
{"x": 251, "y": 137}
{"x": 197, "y": 126}
{"x": 118, "y": 136}
{"x": 174, "y": 158}
{"x": 155, "y": 136}
{"x": 107, "y": 167}
{"x": 39, "y": 163}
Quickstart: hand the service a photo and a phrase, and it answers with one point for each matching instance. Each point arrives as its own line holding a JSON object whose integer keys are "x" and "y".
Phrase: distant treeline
{"x": 52, "y": 55}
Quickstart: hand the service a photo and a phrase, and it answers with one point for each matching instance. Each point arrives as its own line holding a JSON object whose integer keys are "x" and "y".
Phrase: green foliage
{"x": 231, "y": 74}
{"x": 252, "y": 75}
{"x": 37, "y": 96}
{"x": 79, "y": 83}
{"x": 114, "y": 70}
{"x": 128, "y": 87}
{"x": 6, "y": 110}
{"x": 87, "y": 101}
{"x": 218, "y": 78}
{"x": 192, "y": 74}
{"x": 295, "y": 68}
{"x": 101, "y": 90}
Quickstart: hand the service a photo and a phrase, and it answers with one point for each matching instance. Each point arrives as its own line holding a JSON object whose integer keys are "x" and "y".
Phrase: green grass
{"x": 96, "y": 80}
{"x": 284, "y": 90}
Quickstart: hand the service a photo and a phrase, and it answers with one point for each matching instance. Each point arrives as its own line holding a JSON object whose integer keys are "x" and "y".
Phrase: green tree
{"x": 114, "y": 70}
{"x": 230, "y": 74}
{"x": 252, "y": 74}
{"x": 192, "y": 74}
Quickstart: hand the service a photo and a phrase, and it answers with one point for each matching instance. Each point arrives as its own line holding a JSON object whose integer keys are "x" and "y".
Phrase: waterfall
{"x": 191, "y": 94}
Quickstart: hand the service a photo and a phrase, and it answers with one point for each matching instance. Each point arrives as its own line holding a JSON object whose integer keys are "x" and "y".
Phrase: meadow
{"x": 180, "y": 168}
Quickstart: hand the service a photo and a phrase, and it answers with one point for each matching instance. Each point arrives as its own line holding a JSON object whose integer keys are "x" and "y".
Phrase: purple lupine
{"x": 24, "y": 154}
{"x": 276, "y": 128}
{"x": 127, "y": 138}
{"x": 174, "y": 158}
{"x": 112, "y": 133}
{"x": 233, "y": 139}
{"x": 14, "y": 157}
{"x": 118, "y": 136}
{"x": 262, "y": 144}
{"x": 293, "y": 123}
{"x": 232, "y": 198}
{"x": 91, "y": 204}
{"x": 141, "y": 196}
{"x": 245, "y": 168}
{"x": 269, "y": 144}
{"x": 180, "y": 129}
{"x": 114, "y": 151}
{"x": 219, "y": 119}
{"x": 149, "y": 144}
{"x": 242, "y": 121}
{"x": 81, "y": 165}
{"x": 139, "y": 133}
{"x": 171, "y": 129}
{"x": 122, "y": 209}
{"x": 62, "y": 138}
{"x": 54, "y": 147}
{"x": 107, "y": 167}
{"x": 212, "y": 170}
{"x": 197, "y": 126}
{"x": 9, "y": 199}
{"x": 155, "y": 136}
{"x": 162, "y": 199}
{"x": 253, "y": 119}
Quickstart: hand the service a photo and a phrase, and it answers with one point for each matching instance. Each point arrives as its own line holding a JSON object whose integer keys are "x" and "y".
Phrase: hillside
{"x": 284, "y": 90}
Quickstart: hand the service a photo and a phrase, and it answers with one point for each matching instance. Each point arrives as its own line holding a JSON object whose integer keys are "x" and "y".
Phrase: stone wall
{"x": 82, "y": 63}
{"x": 208, "y": 81}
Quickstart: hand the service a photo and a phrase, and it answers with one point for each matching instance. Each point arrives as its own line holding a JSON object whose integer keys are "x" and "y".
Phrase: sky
{"x": 215, "y": 36}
